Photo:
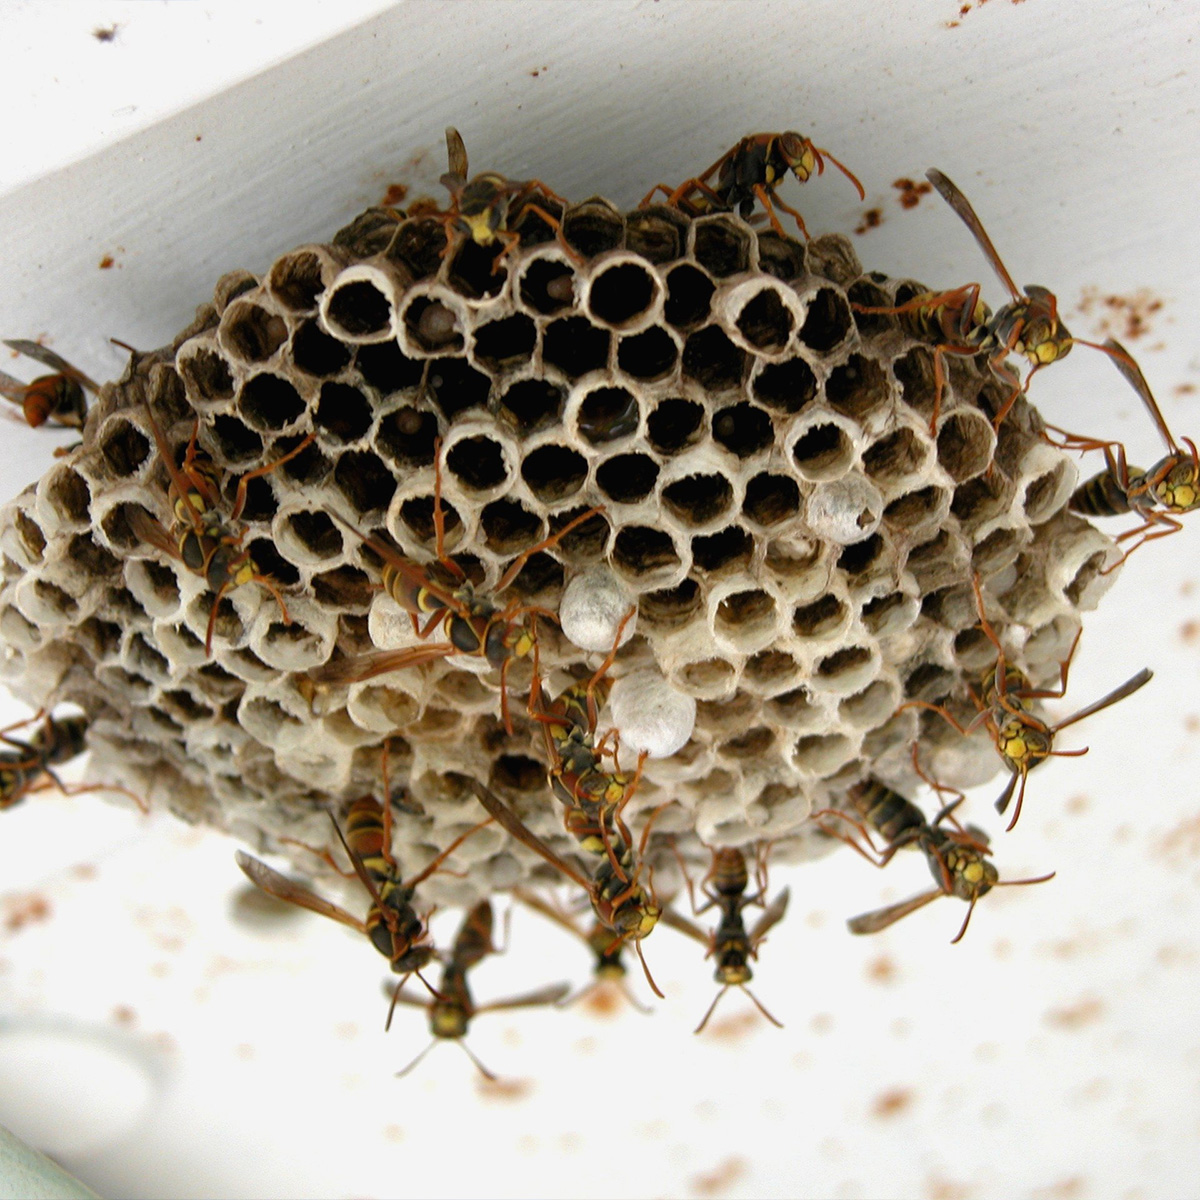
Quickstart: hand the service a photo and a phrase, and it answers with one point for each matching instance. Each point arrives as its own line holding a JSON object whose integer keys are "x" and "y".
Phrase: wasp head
{"x": 972, "y": 874}
{"x": 798, "y": 155}
{"x": 1044, "y": 338}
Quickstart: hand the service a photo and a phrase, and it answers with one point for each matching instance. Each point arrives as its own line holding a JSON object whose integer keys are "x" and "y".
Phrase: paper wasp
{"x": 1022, "y": 739}
{"x": 958, "y": 322}
{"x": 473, "y": 624}
{"x": 752, "y": 172}
{"x": 618, "y": 899}
{"x": 392, "y": 924}
{"x": 957, "y": 858}
{"x": 1170, "y": 488}
{"x": 201, "y": 538}
{"x": 26, "y": 768}
{"x": 60, "y": 397}
{"x": 608, "y": 970}
{"x": 480, "y": 207}
{"x": 452, "y": 1007}
{"x": 730, "y": 944}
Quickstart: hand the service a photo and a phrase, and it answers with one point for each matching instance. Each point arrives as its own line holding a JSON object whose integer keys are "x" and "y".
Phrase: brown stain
{"x": 107, "y": 262}
{"x": 872, "y": 218}
{"x": 393, "y": 1133}
{"x": 1181, "y": 841}
{"x": 106, "y": 33}
{"x": 946, "y": 1189}
{"x": 1184, "y": 389}
{"x": 1191, "y": 723}
{"x": 1127, "y": 317}
{"x": 1070, "y": 1188}
{"x": 1189, "y": 631}
{"x": 891, "y": 1103}
{"x": 734, "y": 1028}
{"x": 822, "y": 1022}
{"x": 911, "y": 192}
{"x": 1075, "y": 1016}
{"x": 84, "y": 870}
{"x": 505, "y": 1091}
{"x": 882, "y": 970}
{"x": 394, "y": 196}
{"x": 123, "y": 1015}
{"x": 721, "y": 1178}
{"x": 538, "y": 70}
{"x": 603, "y": 1001}
{"x": 1078, "y": 804}
{"x": 26, "y": 909}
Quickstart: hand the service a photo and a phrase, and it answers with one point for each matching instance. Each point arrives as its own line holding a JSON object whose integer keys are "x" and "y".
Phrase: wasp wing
{"x": 772, "y": 915}
{"x": 48, "y": 358}
{"x": 367, "y": 666}
{"x": 681, "y": 924}
{"x": 881, "y": 918}
{"x": 283, "y": 888}
{"x": 149, "y": 530}
{"x": 551, "y": 994}
{"x": 962, "y": 206}
{"x": 1125, "y": 363}
{"x": 515, "y": 827}
{"x": 1130, "y": 686}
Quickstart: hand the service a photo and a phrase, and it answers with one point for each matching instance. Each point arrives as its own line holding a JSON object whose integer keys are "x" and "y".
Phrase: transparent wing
{"x": 283, "y": 888}
{"x": 962, "y": 206}
{"x": 881, "y": 918}
{"x": 48, "y": 358}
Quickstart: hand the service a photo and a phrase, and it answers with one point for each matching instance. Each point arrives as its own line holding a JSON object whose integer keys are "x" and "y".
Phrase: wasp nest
{"x": 798, "y": 547}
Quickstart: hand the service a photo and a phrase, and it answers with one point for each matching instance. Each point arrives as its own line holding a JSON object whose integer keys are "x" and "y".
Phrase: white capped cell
{"x": 592, "y": 609}
{"x": 650, "y": 714}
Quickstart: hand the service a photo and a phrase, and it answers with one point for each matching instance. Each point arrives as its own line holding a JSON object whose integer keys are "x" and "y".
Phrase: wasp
{"x": 624, "y": 907}
{"x": 392, "y": 924}
{"x": 480, "y": 207}
{"x": 608, "y": 970}
{"x": 474, "y": 625}
{"x": 731, "y": 945}
{"x": 201, "y": 538}
{"x": 452, "y": 1007}
{"x": 959, "y": 322}
{"x": 958, "y": 858}
{"x": 1022, "y": 739}
{"x": 751, "y": 172}
{"x": 27, "y": 767}
{"x": 61, "y": 397}
{"x": 1170, "y": 488}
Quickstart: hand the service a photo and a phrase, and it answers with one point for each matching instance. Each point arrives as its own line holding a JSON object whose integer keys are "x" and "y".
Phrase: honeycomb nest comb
{"x": 798, "y": 546}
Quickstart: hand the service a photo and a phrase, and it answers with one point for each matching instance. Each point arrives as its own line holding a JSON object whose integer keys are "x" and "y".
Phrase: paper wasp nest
{"x": 798, "y": 546}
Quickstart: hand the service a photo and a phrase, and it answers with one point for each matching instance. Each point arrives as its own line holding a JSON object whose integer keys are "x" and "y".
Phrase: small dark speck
{"x": 871, "y": 219}
{"x": 106, "y": 33}
{"x": 106, "y": 262}
{"x": 198, "y": 138}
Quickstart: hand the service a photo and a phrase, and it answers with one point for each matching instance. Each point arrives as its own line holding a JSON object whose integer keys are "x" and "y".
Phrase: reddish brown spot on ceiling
{"x": 1075, "y": 1016}
{"x": 911, "y": 192}
{"x": 891, "y": 1103}
{"x": 394, "y": 195}
{"x": 1127, "y": 317}
{"x": 720, "y": 1180}
{"x": 871, "y": 219}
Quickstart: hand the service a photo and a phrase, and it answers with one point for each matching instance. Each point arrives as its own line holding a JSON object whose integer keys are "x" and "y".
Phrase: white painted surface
{"x": 1054, "y": 1053}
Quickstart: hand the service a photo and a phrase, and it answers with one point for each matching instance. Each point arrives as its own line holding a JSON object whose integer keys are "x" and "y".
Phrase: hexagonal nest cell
{"x": 752, "y": 470}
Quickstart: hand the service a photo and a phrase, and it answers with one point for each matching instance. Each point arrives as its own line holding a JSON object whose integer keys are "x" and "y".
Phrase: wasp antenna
{"x": 966, "y": 921}
{"x": 646, "y": 968}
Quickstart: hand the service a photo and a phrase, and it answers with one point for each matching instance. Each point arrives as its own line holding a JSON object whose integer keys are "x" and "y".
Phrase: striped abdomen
{"x": 889, "y": 813}
{"x": 1101, "y": 496}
